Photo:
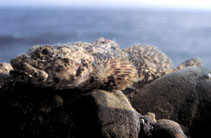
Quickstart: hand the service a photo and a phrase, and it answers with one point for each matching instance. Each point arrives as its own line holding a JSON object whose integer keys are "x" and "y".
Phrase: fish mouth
{"x": 25, "y": 71}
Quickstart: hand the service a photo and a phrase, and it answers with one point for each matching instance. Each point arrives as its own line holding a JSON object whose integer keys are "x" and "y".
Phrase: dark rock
{"x": 183, "y": 96}
{"x": 4, "y": 78}
{"x": 39, "y": 113}
{"x": 165, "y": 128}
{"x": 118, "y": 118}
{"x": 146, "y": 125}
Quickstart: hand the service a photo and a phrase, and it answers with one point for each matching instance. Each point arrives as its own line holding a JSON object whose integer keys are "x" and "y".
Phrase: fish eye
{"x": 45, "y": 51}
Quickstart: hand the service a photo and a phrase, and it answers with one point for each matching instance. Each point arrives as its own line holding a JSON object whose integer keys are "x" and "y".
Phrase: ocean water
{"x": 180, "y": 34}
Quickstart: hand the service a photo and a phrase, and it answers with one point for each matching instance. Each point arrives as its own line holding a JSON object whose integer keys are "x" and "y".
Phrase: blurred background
{"x": 180, "y": 28}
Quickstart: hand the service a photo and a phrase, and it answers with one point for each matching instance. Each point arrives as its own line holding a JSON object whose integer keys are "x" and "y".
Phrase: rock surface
{"x": 40, "y": 113}
{"x": 4, "y": 72}
{"x": 5, "y": 67}
{"x": 165, "y": 128}
{"x": 183, "y": 96}
{"x": 28, "y": 111}
{"x": 118, "y": 118}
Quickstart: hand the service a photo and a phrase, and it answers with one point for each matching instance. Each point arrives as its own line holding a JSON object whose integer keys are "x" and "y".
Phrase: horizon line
{"x": 158, "y": 7}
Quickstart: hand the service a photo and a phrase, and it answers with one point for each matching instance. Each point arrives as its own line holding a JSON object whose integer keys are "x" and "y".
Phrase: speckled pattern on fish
{"x": 87, "y": 66}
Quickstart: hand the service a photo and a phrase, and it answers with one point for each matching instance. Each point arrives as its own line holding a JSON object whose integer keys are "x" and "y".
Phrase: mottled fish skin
{"x": 60, "y": 67}
{"x": 87, "y": 66}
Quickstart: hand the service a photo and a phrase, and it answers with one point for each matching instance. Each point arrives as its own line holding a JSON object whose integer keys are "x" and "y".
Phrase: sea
{"x": 181, "y": 34}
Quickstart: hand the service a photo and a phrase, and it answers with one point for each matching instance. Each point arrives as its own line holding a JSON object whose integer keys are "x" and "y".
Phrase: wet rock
{"x": 183, "y": 96}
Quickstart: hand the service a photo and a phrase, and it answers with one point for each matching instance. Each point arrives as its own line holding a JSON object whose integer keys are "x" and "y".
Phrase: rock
{"x": 165, "y": 128}
{"x": 5, "y": 67}
{"x": 118, "y": 118}
{"x": 28, "y": 111}
{"x": 146, "y": 125}
{"x": 183, "y": 96}
{"x": 3, "y": 79}
{"x": 4, "y": 73}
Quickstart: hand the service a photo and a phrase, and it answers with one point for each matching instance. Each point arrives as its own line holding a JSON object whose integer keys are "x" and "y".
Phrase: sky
{"x": 195, "y": 4}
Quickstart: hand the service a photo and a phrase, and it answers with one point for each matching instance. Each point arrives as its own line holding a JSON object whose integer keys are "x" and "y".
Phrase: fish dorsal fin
{"x": 151, "y": 54}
